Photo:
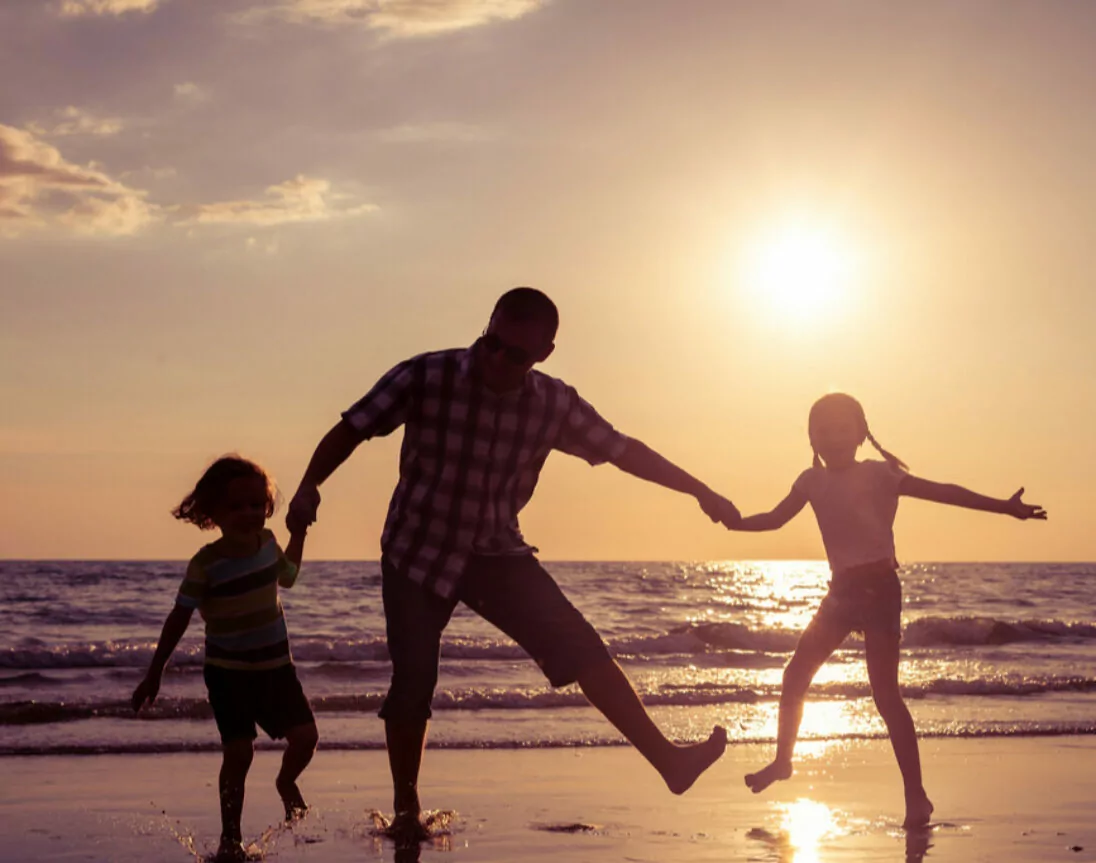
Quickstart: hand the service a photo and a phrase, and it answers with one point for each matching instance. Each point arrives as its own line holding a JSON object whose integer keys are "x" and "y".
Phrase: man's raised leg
{"x": 607, "y": 687}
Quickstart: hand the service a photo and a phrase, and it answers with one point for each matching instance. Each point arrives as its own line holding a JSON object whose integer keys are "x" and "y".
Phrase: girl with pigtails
{"x": 855, "y": 504}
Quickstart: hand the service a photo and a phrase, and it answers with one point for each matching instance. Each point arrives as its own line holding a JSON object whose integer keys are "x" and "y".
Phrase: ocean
{"x": 988, "y": 649}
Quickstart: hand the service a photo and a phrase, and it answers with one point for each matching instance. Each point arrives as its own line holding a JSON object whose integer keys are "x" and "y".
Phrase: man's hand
{"x": 146, "y": 691}
{"x": 719, "y": 509}
{"x": 1023, "y": 511}
{"x": 302, "y": 509}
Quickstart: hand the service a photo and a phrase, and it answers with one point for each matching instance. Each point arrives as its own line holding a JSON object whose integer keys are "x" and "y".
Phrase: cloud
{"x": 302, "y": 199}
{"x": 39, "y": 187}
{"x": 77, "y": 8}
{"x": 421, "y": 133}
{"x": 76, "y": 121}
{"x": 190, "y": 92}
{"x": 402, "y": 18}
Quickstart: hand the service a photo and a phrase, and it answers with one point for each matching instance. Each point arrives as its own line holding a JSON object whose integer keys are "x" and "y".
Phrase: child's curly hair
{"x": 197, "y": 506}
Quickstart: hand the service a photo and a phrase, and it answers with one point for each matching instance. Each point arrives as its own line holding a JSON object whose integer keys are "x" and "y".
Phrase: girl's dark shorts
{"x": 862, "y": 599}
{"x": 270, "y": 698}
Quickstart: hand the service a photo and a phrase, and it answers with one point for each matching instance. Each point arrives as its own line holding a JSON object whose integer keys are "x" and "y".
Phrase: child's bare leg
{"x": 882, "y": 655}
{"x": 300, "y": 746}
{"x": 234, "y": 766}
{"x": 609, "y": 690}
{"x": 815, "y": 646}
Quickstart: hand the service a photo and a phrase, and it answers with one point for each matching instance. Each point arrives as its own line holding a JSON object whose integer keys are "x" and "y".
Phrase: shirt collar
{"x": 468, "y": 368}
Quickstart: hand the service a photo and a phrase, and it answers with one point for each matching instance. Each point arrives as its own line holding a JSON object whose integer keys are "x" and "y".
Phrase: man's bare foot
{"x": 230, "y": 851}
{"x": 295, "y": 807}
{"x": 692, "y": 760}
{"x": 407, "y": 827}
{"x": 918, "y": 811}
{"x": 766, "y": 776}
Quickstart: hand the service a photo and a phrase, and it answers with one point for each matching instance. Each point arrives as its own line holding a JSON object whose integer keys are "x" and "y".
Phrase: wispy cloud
{"x": 75, "y": 121}
{"x": 302, "y": 199}
{"x": 77, "y": 8}
{"x": 422, "y": 133}
{"x": 190, "y": 92}
{"x": 39, "y": 187}
{"x": 401, "y": 18}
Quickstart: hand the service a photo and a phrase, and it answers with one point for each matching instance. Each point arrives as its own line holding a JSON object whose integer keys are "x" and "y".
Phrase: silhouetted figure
{"x": 855, "y": 503}
{"x": 479, "y": 423}
{"x": 233, "y": 582}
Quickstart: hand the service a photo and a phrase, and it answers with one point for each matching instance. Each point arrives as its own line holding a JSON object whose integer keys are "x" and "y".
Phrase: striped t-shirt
{"x": 238, "y": 600}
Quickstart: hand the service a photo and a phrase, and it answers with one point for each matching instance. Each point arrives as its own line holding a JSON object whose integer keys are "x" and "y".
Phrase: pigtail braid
{"x": 890, "y": 457}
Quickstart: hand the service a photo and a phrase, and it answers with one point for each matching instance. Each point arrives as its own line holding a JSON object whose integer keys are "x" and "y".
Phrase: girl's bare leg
{"x": 816, "y": 645}
{"x": 882, "y": 655}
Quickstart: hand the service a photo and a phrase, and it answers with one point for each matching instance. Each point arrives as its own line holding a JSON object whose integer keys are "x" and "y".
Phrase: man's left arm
{"x": 641, "y": 461}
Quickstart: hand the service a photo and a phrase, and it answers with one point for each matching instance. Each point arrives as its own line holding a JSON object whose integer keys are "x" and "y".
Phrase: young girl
{"x": 855, "y": 503}
{"x": 249, "y": 673}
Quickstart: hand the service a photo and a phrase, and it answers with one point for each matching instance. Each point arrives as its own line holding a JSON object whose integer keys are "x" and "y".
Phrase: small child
{"x": 855, "y": 503}
{"x": 249, "y": 673}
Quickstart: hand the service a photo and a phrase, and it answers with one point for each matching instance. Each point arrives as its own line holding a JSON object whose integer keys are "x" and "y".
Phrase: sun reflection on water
{"x": 770, "y": 594}
{"x": 807, "y": 823}
{"x": 801, "y": 827}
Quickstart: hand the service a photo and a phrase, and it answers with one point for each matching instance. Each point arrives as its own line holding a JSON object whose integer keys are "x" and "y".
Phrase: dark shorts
{"x": 515, "y": 594}
{"x": 863, "y": 599}
{"x": 270, "y": 698}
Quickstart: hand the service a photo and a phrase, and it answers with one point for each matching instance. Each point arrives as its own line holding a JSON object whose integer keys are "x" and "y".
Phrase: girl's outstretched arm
{"x": 779, "y": 516}
{"x": 956, "y": 495}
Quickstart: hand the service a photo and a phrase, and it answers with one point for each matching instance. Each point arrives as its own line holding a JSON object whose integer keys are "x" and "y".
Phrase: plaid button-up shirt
{"x": 470, "y": 458}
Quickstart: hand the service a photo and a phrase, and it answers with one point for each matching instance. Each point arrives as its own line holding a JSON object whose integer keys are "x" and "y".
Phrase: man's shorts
{"x": 512, "y": 592}
{"x": 269, "y": 698}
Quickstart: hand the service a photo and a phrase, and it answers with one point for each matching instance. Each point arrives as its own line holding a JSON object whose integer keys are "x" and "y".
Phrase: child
{"x": 249, "y": 673}
{"x": 855, "y": 503}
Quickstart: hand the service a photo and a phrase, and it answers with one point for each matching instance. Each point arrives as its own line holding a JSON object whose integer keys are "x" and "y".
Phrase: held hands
{"x": 719, "y": 509}
{"x": 1015, "y": 507}
{"x": 303, "y": 509}
{"x": 146, "y": 691}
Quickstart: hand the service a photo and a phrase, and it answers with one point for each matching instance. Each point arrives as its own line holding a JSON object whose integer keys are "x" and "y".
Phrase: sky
{"x": 222, "y": 220}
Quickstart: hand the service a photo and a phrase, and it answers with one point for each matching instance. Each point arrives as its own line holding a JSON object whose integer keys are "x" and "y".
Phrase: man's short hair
{"x": 528, "y": 304}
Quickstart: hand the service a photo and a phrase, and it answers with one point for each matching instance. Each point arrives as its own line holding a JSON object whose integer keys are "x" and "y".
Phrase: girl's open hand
{"x": 1023, "y": 511}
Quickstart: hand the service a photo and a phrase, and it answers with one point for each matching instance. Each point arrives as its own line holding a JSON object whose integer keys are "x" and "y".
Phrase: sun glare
{"x": 799, "y": 270}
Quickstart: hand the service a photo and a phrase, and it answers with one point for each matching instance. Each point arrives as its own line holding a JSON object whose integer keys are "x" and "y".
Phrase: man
{"x": 479, "y": 424}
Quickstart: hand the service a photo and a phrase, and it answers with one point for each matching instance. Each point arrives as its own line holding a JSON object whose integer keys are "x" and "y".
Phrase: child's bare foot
{"x": 692, "y": 760}
{"x": 766, "y": 776}
{"x": 918, "y": 811}
{"x": 230, "y": 851}
{"x": 295, "y": 807}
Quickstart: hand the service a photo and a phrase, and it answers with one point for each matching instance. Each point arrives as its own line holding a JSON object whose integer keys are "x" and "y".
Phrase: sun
{"x": 799, "y": 270}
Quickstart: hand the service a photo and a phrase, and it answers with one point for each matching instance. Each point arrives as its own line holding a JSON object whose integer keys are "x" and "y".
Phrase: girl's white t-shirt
{"x": 855, "y": 508}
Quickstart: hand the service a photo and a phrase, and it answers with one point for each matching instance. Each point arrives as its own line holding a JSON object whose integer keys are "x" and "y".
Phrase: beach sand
{"x": 998, "y": 799}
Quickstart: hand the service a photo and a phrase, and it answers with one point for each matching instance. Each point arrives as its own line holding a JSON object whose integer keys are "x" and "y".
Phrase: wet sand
{"x": 997, "y": 799}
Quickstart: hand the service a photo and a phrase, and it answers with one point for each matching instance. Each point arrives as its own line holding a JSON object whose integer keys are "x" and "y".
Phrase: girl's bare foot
{"x": 295, "y": 807}
{"x": 692, "y": 760}
{"x": 766, "y": 776}
{"x": 918, "y": 811}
